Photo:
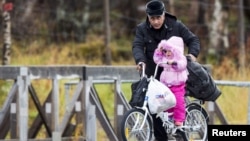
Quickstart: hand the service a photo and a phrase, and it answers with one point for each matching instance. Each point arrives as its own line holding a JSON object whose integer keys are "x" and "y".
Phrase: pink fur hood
{"x": 172, "y": 74}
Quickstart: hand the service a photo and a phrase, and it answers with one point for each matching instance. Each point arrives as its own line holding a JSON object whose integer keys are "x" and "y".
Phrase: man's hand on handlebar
{"x": 140, "y": 65}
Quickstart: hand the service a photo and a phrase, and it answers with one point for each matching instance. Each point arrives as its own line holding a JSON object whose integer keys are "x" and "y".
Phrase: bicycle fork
{"x": 138, "y": 120}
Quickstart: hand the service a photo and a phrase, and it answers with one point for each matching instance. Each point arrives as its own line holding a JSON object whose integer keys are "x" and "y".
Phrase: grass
{"x": 233, "y": 101}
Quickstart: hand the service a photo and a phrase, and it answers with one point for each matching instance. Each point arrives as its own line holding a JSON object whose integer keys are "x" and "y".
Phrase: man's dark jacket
{"x": 147, "y": 38}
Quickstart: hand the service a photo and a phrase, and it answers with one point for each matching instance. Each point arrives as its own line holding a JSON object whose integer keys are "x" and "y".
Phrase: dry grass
{"x": 234, "y": 100}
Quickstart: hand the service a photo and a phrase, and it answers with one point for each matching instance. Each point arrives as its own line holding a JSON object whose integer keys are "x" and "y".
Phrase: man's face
{"x": 156, "y": 21}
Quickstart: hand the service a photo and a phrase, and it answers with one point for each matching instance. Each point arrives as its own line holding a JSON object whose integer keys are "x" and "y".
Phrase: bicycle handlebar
{"x": 157, "y": 66}
{"x": 143, "y": 66}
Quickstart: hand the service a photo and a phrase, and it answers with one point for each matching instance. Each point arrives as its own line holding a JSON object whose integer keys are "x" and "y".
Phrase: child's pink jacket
{"x": 172, "y": 74}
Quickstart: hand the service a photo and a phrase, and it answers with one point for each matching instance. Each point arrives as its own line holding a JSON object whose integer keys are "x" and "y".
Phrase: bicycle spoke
{"x": 196, "y": 124}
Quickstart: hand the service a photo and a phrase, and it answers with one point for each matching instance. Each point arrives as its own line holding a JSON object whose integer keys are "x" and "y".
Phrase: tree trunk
{"x": 107, "y": 59}
{"x": 7, "y": 33}
{"x": 241, "y": 38}
{"x": 171, "y": 7}
{"x": 218, "y": 35}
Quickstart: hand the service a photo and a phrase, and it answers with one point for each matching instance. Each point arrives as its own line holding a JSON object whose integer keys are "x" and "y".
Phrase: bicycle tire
{"x": 133, "y": 118}
{"x": 197, "y": 118}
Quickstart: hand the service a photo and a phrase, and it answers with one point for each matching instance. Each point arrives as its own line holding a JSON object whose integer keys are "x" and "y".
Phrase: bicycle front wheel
{"x": 136, "y": 126}
{"x": 196, "y": 123}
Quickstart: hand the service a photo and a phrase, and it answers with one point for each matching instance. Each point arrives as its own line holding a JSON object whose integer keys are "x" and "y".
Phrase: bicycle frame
{"x": 144, "y": 108}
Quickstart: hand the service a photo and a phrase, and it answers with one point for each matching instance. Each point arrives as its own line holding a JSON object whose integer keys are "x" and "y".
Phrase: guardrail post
{"x": 119, "y": 108}
{"x": 48, "y": 111}
{"x": 91, "y": 124}
{"x": 211, "y": 112}
{"x": 13, "y": 121}
{"x": 248, "y": 113}
{"x": 90, "y": 113}
{"x": 56, "y": 134}
{"x": 23, "y": 103}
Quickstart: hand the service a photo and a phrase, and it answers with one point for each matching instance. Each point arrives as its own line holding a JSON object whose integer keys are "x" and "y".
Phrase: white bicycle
{"x": 137, "y": 124}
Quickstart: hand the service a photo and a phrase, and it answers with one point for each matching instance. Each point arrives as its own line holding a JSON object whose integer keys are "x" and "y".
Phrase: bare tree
{"x": 218, "y": 35}
{"x": 6, "y": 7}
{"x": 171, "y": 7}
{"x": 241, "y": 37}
{"x": 107, "y": 60}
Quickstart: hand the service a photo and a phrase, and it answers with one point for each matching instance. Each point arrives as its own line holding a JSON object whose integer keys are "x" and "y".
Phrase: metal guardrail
{"x": 18, "y": 99}
{"x": 233, "y": 83}
{"x": 23, "y": 76}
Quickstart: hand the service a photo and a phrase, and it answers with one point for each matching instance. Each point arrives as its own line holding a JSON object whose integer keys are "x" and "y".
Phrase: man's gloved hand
{"x": 192, "y": 57}
{"x": 140, "y": 65}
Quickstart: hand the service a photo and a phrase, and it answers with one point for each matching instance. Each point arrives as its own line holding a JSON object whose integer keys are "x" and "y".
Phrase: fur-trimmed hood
{"x": 175, "y": 73}
{"x": 174, "y": 44}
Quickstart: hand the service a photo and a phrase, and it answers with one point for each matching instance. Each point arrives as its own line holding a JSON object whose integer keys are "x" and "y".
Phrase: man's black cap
{"x": 155, "y": 8}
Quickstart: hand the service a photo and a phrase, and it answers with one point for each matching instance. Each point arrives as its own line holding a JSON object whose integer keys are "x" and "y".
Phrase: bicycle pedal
{"x": 177, "y": 128}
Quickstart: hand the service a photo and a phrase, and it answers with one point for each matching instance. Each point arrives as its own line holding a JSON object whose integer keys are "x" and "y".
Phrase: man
{"x": 159, "y": 25}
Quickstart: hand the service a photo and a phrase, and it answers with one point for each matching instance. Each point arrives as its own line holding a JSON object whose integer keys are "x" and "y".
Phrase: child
{"x": 174, "y": 74}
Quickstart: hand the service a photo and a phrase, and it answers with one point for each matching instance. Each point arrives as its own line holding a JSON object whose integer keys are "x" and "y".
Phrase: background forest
{"x": 100, "y": 32}
{"x": 42, "y": 25}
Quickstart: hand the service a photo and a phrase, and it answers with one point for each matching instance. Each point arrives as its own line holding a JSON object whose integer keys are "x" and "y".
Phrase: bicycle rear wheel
{"x": 197, "y": 121}
{"x": 136, "y": 126}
